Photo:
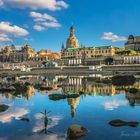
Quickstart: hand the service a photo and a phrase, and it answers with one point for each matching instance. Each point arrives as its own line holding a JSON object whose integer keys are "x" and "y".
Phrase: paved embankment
{"x": 134, "y": 68}
{"x": 54, "y": 71}
{"x": 106, "y": 70}
{"x": 45, "y": 71}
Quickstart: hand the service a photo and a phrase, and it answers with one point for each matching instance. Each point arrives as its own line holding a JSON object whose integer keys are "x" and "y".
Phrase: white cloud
{"x": 38, "y": 28}
{"x": 42, "y": 137}
{"x": 42, "y": 17}
{"x": 44, "y": 20}
{"x": 62, "y": 3}
{"x": 111, "y": 105}
{"x": 4, "y": 38}
{"x": 54, "y": 121}
{"x": 7, "y": 28}
{"x": 38, "y": 4}
{"x": 1, "y": 2}
{"x": 52, "y": 24}
{"x": 9, "y": 115}
{"x": 113, "y": 37}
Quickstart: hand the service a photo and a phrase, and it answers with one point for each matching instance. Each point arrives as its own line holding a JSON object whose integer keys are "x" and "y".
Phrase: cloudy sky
{"x": 44, "y": 24}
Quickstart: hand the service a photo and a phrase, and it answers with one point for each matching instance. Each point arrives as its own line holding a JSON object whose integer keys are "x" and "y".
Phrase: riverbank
{"x": 52, "y": 71}
{"x": 79, "y": 70}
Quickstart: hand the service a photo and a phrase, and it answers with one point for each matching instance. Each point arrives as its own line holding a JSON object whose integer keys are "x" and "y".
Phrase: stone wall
{"x": 125, "y": 68}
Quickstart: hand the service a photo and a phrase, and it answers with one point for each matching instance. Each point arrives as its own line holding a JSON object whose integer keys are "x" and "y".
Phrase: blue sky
{"x": 45, "y": 24}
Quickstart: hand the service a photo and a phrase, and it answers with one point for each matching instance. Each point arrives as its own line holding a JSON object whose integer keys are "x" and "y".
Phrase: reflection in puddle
{"x": 41, "y": 137}
{"x": 73, "y": 102}
{"x": 7, "y": 117}
{"x": 114, "y": 104}
{"x": 39, "y": 125}
{"x": 89, "y": 109}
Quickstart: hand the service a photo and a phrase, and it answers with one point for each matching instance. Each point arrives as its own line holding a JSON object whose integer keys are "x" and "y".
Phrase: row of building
{"x": 26, "y": 53}
{"x": 74, "y": 54}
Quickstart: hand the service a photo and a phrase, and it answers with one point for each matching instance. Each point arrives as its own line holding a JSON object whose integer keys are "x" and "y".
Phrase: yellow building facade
{"x": 73, "y": 51}
{"x": 89, "y": 52}
{"x": 133, "y": 43}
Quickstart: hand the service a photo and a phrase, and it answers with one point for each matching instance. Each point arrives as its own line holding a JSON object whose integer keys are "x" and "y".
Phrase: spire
{"x": 72, "y": 31}
{"x": 72, "y": 27}
{"x": 62, "y": 47}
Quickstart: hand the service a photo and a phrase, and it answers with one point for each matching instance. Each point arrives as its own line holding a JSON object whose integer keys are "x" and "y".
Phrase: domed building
{"x": 74, "y": 55}
{"x": 46, "y": 56}
{"x": 72, "y": 41}
{"x": 133, "y": 43}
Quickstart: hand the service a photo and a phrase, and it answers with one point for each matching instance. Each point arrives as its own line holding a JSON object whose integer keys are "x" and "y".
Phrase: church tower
{"x": 62, "y": 47}
{"x": 72, "y": 41}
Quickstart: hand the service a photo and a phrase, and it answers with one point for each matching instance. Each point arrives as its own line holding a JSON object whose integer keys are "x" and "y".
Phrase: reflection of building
{"x": 134, "y": 99}
{"x": 79, "y": 84}
{"x": 73, "y": 102}
{"x": 136, "y": 85}
{"x": 133, "y": 43}
{"x": 11, "y": 54}
{"x": 30, "y": 92}
{"x": 46, "y": 55}
{"x": 72, "y": 85}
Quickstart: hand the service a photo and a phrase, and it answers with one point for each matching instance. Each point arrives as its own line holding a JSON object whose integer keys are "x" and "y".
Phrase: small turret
{"x": 72, "y": 31}
{"x": 62, "y": 47}
{"x": 131, "y": 39}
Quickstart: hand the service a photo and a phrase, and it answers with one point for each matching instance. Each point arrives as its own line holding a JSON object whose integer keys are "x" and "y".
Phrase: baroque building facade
{"x": 72, "y": 41}
{"x": 74, "y": 54}
{"x": 89, "y": 52}
{"x": 133, "y": 43}
{"x": 13, "y": 55}
{"x": 46, "y": 56}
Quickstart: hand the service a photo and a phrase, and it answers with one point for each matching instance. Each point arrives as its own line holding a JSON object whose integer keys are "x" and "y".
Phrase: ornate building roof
{"x": 72, "y": 41}
{"x": 131, "y": 37}
{"x": 92, "y": 47}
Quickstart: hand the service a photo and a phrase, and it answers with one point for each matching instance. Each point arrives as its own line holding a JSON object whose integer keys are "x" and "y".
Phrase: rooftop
{"x": 91, "y": 47}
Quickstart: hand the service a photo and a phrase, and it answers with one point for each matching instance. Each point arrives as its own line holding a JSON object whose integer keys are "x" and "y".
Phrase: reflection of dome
{"x": 131, "y": 37}
{"x": 30, "y": 92}
{"x": 73, "y": 102}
